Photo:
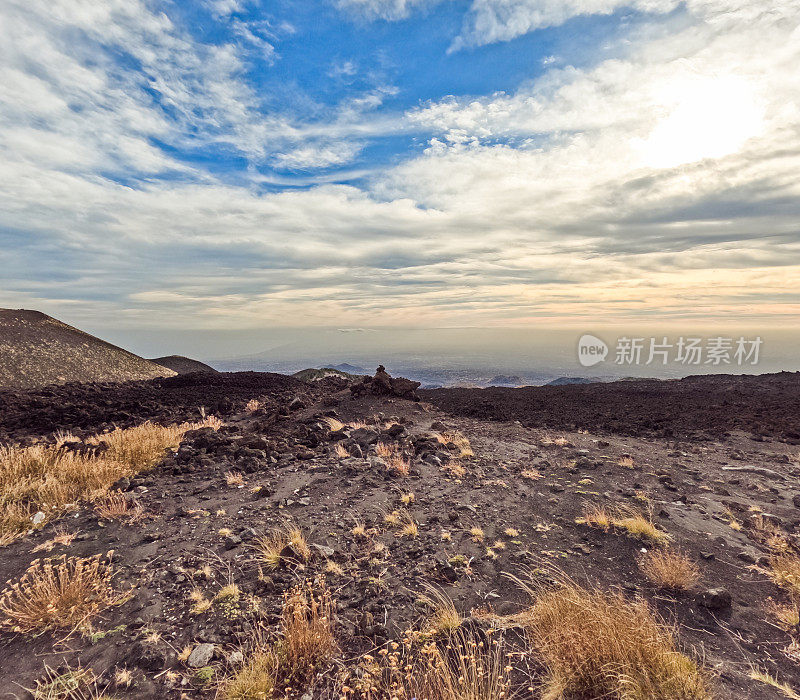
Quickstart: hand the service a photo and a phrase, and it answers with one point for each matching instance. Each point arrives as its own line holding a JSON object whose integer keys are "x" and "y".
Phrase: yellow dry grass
{"x": 597, "y": 644}
{"x": 255, "y": 680}
{"x": 287, "y": 542}
{"x": 116, "y": 506}
{"x": 787, "y": 616}
{"x": 634, "y": 522}
{"x": 462, "y": 669}
{"x": 400, "y": 464}
{"x": 457, "y": 438}
{"x": 444, "y": 618}
{"x": 385, "y": 450}
{"x": 307, "y": 621}
{"x": 49, "y": 478}
{"x": 784, "y": 570}
{"x": 333, "y": 424}
{"x": 767, "y": 679}
{"x": 669, "y": 569}
{"x": 60, "y": 593}
{"x": 341, "y": 451}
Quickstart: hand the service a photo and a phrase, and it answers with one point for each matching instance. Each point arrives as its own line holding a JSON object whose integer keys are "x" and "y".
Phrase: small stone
{"x": 38, "y": 518}
{"x": 327, "y": 552}
{"x": 236, "y": 658}
{"x": 796, "y": 500}
{"x": 715, "y": 599}
{"x": 201, "y": 655}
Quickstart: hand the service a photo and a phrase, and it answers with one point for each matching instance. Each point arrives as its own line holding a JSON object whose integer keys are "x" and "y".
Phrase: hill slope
{"x": 182, "y": 365}
{"x": 37, "y": 350}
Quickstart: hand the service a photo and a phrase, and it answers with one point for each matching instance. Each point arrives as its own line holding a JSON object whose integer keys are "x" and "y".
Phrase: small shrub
{"x": 596, "y": 644}
{"x": 61, "y": 593}
{"x": 669, "y": 569}
{"x": 307, "y": 622}
{"x": 333, "y": 424}
{"x": 341, "y": 451}
{"x": 444, "y": 617}
{"x": 117, "y": 507}
{"x": 784, "y": 570}
{"x": 256, "y": 680}
{"x": 273, "y": 548}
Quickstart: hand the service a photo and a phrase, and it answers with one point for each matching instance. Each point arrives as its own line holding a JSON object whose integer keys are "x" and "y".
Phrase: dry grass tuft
{"x": 116, "y": 506}
{"x": 252, "y": 406}
{"x": 641, "y": 527}
{"x": 455, "y": 469}
{"x": 306, "y": 643}
{"x": 234, "y": 479}
{"x": 635, "y": 523}
{"x": 333, "y": 424}
{"x": 256, "y": 680}
{"x": 48, "y": 478}
{"x": 444, "y": 618}
{"x": 60, "y": 537}
{"x": 669, "y": 569}
{"x": 68, "y": 684}
{"x": 60, "y": 593}
{"x": 307, "y": 621}
{"x": 400, "y": 464}
{"x": 385, "y": 450}
{"x": 596, "y": 516}
{"x": 787, "y": 616}
{"x": 596, "y": 644}
{"x": 767, "y": 679}
{"x": 461, "y": 442}
{"x": 477, "y": 534}
{"x": 784, "y": 570}
{"x": 465, "y": 668}
{"x": 408, "y": 527}
{"x": 341, "y": 451}
{"x": 283, "y": 544}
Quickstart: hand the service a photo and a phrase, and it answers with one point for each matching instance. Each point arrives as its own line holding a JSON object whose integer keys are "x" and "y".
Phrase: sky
{"x": 249, "y": 164}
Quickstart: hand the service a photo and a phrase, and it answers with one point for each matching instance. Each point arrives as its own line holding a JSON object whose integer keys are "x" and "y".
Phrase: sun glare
{"x": 709, "y": 118}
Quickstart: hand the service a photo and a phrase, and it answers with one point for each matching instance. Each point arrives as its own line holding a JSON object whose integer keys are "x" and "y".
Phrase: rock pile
{"x": 382, "y": 384}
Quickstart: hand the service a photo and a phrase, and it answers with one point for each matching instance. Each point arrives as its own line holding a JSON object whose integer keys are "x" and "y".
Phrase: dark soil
{"x": 699, "y": 407}
{"x": 91, "y": 408}
{"x": 533, "y": 479}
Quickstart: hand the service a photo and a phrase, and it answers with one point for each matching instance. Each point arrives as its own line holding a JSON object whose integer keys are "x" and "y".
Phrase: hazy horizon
{"x": 541, "y": 353}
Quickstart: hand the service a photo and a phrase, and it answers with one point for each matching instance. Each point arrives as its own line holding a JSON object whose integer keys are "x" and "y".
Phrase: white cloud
{"x": 383, "y": 9}
{"x": 490, "y": 21}
{"x": 581, "y": 196}
{"x": 317, "y": 156}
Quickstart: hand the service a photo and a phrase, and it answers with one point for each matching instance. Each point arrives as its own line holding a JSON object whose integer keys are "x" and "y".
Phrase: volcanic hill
{"x": 37, "y": 350}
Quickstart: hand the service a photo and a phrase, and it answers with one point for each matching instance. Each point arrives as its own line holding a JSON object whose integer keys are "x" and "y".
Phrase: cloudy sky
{"x": 235, "y": 164}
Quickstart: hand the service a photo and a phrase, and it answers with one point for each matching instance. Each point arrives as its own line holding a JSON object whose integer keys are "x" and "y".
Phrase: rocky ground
{"x": 718, "y": 485}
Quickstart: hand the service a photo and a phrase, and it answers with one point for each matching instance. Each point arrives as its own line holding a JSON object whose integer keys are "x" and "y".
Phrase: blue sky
{"x": 234, "y": 164}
